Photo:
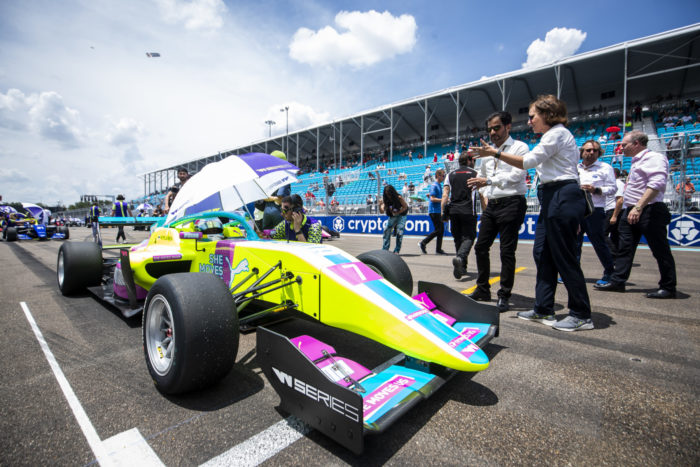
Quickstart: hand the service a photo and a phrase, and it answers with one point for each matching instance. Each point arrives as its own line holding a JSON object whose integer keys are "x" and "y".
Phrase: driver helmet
{"x": 211, "y": 226}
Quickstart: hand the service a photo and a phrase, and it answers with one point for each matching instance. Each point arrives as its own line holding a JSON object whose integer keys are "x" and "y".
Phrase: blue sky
{"x": 84, "y": 111}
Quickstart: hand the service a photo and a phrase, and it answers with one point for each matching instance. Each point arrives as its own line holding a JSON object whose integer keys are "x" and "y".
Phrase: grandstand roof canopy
{"x": 648, "y": 70}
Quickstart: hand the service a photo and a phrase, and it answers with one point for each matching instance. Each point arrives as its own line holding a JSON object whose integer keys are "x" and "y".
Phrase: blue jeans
{"x": 395, "y": 221}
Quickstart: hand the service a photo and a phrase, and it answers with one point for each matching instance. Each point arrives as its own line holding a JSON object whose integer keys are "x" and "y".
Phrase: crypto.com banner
{"x": 683, "y": 230}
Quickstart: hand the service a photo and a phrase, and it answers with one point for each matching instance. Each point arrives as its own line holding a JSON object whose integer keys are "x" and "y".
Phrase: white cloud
{"x": 300, "y": 116}
{"x": 557, "y": 44}
{"x": 44, "y": 114}
{"x": 195, "y": 14}
{"x": 368, "y": 38}
{"x": 12, "y": 176}
{"x": 126, "y": 131}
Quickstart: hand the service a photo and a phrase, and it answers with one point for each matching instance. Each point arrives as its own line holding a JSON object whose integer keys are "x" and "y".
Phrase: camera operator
{"x": 296, "y": 226}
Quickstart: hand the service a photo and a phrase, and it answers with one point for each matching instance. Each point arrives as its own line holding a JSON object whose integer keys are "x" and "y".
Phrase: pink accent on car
{"x": 354, "y": 273}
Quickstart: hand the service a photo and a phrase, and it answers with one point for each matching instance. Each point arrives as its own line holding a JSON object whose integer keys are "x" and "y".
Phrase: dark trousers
{"x": 120, "y": 233}
{"x": 561, "y": 210}
{"x": 594, "y": 227}
{"x": 612, "y": 234}
{"x": 463, "y": 227}
{"x": 502, "y": 217}
{"x": 438, "y": 231}
{"x": 652, "y": 224}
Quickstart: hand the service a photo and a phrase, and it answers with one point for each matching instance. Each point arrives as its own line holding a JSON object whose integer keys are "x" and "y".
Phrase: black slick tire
{"x": 79, "y": 265}
{"x": 190, "y": 332}
{"x": 390, "y": 266}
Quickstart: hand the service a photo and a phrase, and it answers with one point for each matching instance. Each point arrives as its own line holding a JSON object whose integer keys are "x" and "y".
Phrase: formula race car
{"x": 21, "y": 227}
{"x": 323, "y": 319}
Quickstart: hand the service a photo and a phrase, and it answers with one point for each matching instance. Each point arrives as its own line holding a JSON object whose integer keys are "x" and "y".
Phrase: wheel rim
{"x": 160, "y": 335}
{"x": 60, "y": 269}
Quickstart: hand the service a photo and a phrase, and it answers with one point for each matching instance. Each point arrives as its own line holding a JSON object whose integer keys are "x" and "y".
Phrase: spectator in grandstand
{"x": 615, "y": 136}
{"x": 687, "y": 190}
{"x": 435, "y": 157}
{"x": 370, "y": 203}
{"x": 158, "y": 211}
{"x": 459, "y": 205}
{"x": 673, "y": 147}
{"x": 645, "y": 213}
{"x": 427, "y": 174}
{"x": 295, "y": 226}
{"x": 613, "y": 208}
{"x": 272, "y": 211}
{"x": 502, "y": 191}
{"x": 591, "y": 131}
{"x": 597, "y": 178}
{"x": 120, "y": 208}
{"x": 334, "y": 205}
{"x": 602, "y": 139}
{"x": 637, "y": 112}
{"x": 435, "y": 214}
{"x": 183, "y": 175}
{"x": 411, "y": 188}
{"x": 562, "y": 207}
{"x": 394, "y": 206}
{"x": 94, "y": 218}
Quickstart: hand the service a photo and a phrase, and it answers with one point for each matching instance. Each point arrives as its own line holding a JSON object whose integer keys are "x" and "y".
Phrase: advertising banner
{"x": 683, "y": 230}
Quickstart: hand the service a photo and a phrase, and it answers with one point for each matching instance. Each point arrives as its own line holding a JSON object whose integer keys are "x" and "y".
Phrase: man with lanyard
{"x": 94, "y": 218}
{"x": 597, "y": 178}
{"x": 121, "y": 209}
{"x": 645, "y": 213}
{"x": 435, "y": 213}
{"x": 296, "y": 226}
{"x": 462, "y": 211}
{"x": 502, "y": 191}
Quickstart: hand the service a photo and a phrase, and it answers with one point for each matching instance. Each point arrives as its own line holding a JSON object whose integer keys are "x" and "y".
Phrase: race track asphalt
{"x": 626, "y": 393}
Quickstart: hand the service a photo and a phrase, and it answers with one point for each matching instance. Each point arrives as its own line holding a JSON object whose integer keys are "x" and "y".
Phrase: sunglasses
{"x": 530, "y": 117}
{"x": 494, "y": 128}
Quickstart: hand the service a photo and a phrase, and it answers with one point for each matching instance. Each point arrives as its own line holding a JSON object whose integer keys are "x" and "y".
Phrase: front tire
{"x": 11, "y": 234}
{"x": 64, "y": 230}
{"x": 190, "y": 332}
{"x": 79, "y": 265}
{"x": 391, "y": 267}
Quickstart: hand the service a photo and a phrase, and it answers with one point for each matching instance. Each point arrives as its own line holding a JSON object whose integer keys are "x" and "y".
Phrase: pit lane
{"x": 625, "y": 393}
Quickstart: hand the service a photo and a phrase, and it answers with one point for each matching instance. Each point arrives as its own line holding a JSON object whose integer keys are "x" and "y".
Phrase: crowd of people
{"x": 578, "y": 194}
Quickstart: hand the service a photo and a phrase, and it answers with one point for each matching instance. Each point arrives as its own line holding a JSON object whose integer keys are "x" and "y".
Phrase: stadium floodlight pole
{"x": 269, "y": 123}
{"x": 286, "y": 141}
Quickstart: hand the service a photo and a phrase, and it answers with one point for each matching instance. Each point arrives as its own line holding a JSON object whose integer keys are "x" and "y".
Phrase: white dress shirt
{"x": 556, "y": 156}
{"x": 600, "y": 175}
{"x": 612, "y": 200}
{"x": 506, "y": 180}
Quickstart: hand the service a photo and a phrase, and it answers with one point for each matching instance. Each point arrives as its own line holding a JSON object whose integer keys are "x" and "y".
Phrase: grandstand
{"x": 651, "y": 77}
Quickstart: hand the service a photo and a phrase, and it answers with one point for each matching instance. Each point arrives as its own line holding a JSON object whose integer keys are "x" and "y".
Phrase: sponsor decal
{"x": 167, "y": 257}
{"x": 470, "y": 333}
{"x": 469, "y": 350}
{"x": 684, "y": 230}
{"x": 416, "y": 314}
{"x": 337, "y": 405}
{"x": 338, "y": 224}
{"x": 377, "y": 398}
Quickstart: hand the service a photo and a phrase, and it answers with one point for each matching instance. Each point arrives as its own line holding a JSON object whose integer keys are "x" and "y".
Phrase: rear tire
{"x": 64, "y": 230}
{"x": 79, "y": 265}
{"x": 11, "y": 234}
{"x": 190, "y": 332}
{"x": 391, "y": 267}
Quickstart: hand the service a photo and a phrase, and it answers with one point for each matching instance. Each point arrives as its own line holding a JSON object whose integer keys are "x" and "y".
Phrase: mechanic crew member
{"x": 121, "y": 209}
{"x": 296, "y": 226}
{"x": 94, "y": 219}
{"x": 502, "y": 191}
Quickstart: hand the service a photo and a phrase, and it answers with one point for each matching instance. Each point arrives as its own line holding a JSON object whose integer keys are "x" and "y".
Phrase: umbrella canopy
{"x": 613, "y": 129}
{"x": 7, "y": 209}
{"x": 417, "y": 198}
{"x": 231, "y": 183}
{"x": 144, "y": 207}
{"x": 37, "y": 212}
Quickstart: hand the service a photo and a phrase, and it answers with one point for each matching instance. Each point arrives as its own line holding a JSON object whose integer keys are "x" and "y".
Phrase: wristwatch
{"x": 489, "y": 182}
{"x": 637, "y": 208}
{"x": 498, "y": 154}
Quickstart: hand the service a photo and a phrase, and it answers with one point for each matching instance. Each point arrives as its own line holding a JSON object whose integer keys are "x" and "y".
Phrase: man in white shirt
{"x": 597, "y": 178}
{"x": 502, "y": 192}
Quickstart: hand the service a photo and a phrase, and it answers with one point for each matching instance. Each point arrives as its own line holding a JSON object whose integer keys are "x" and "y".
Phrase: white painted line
{"x": 129, "y": 449}
{"x": 121, "y": 449}
{"x": 256, "y": 450}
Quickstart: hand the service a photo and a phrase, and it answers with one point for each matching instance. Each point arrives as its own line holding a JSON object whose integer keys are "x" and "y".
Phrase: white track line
{"x": 122, "y": 449}
{"x": 256, "y": 450}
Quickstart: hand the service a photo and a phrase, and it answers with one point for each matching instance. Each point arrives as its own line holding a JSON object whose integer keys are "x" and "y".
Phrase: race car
{"x": 19, "y": 226}
{"x": 322, "y": 317}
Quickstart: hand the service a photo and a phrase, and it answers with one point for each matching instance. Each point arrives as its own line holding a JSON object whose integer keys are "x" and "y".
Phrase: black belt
{"x": 557, "y": 184}
{"x": 504, "y": 199}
